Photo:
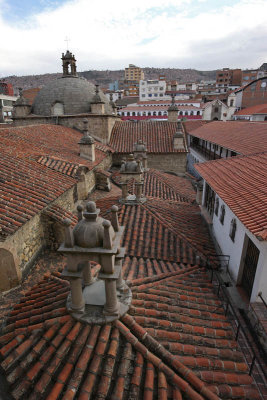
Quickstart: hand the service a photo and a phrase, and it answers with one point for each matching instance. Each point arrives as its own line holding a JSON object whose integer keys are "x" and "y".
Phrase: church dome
{"x": 70, "y": 94}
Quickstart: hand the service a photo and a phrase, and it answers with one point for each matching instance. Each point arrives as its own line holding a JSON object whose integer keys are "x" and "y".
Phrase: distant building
{"x": 228, "y": 79}
{"x": 6, "y": 88}
{"x": 132, "y": 76}
{"x": 254, "y": 113}
{"x": 250, "y": 75}
{"x": 254, "y": 93}
{"x": 152, "y": 89}
{"x": 6, "y": 107}
{"x": 133, "y": 73}
{"x": 216, "y": 110}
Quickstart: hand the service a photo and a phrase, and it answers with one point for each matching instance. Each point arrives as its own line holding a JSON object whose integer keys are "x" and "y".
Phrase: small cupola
{"x": 69, "y": 64}
{"x": 132, "y": 170}
{"x": 140, "y": 153}
{"x": 173, "y": 111}
{"x": 178, "y": 137}
{"x": 21, "y": 107}
{"x": 87, "y": 144}
{"x": 97, "y": 104}
{"x": 107, "y": 297}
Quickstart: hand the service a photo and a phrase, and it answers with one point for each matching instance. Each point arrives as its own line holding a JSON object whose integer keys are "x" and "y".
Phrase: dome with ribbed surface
{"x": 67, "y": 95}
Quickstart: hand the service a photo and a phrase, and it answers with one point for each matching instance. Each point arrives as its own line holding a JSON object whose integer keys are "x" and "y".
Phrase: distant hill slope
{"x": 105, "y": 77}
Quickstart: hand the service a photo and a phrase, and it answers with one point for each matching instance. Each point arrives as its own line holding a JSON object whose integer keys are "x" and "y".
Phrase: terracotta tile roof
{"x": 258, "y": 109}
{"x": 57, "y": 164}
{"x": 241, "y": 182}
{"x": 243, "y": 138}
{"x": 26, "y": 184}
{"x": 158, "y": 136}
{"x": 194, "y": 124}
{"x": 163, "y": 185}
{"x": 26, "y": 187}
{"x": 174, "y": 343}
{"x": 59, "y": 214}
{"x": 55, "y": 141}
{"x": 162, "y": 230}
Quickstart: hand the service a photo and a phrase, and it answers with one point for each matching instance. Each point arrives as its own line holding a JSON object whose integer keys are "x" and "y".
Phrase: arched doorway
{"x": 8, "y": 272}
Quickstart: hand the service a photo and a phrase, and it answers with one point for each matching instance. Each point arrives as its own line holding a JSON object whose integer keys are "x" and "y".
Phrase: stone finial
{"x": 97, "y": 104}
{"x": 178, "y": 137}
{"x": 21, "y": 107}
{"x": 173, "y": 110}
{"x": 93, "y": 239}
{"x": 107, "y": 240}
{"x": 97, "y": 98}
{"x": 87, "y": 143}
{"x": 114, "y": 218}
{"x": 132, "y": 169}
{"x": 80, "y": 212}
{"x": 112, "y": 104}
{"x": 140, "y": 152}
{"x": 69, "y": 239}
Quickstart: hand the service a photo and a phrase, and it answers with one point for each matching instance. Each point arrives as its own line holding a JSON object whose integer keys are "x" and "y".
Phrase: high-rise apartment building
{"x": 134, "y": 73}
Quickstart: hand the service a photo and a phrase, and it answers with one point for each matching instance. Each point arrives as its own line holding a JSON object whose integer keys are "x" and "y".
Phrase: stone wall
{"x": 99, "y": 126}
{"x": 19, "y": 251}
{"x": 173, "y": 162}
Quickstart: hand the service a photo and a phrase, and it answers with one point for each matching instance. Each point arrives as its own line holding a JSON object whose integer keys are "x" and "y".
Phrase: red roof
{"x": 159, "y": 102}
{"x": 258, "y": 109}
{"x": 241, "y": 137}
{"x": 175, "y": 342}
{"x": 157, "y": 135}
{"x": 33, "y": 160}
{"x": 192, "y": 125}
{"x": 241, "y": 182}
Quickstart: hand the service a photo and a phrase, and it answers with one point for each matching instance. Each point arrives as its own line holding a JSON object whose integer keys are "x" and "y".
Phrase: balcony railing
{"x": 208, "y": 154}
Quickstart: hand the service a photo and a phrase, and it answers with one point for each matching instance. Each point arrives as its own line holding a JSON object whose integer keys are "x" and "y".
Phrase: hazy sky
{"x": 106, "y": 34}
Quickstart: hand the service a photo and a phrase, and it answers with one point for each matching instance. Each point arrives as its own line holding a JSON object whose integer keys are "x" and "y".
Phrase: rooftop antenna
{"x": 67, "y": 40}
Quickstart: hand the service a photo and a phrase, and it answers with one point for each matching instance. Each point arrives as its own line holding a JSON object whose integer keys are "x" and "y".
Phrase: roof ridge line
{"x": 180, "y": 236}
{"x": 158, "y": 173}
{"x": 165, "y": 275}
{"x": 156, "y": 353}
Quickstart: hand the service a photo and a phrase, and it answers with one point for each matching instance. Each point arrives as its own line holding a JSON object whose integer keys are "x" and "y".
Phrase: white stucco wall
{"x": 237, "y": 250}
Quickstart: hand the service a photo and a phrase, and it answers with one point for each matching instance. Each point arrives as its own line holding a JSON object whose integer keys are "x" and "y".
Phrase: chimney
{"x": 178, "y": 137}
{"x": 173, "y": 111}
{"x": 87, "y": 144}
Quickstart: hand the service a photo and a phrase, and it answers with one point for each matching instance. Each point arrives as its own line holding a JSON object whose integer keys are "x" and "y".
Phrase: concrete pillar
{"x": 87, "y": 274}
{"x": 138, "y": 190}
{"x": 124, "y": 189}
{"x": 77, "y": 300}
{"x": 111, "y": 306}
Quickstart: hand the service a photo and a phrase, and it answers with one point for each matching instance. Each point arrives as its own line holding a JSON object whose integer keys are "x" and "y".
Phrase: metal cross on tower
{"x": 67, "y": 40}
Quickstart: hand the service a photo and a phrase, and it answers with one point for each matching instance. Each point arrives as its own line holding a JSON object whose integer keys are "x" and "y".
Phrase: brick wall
{"x": 255, "y": 94}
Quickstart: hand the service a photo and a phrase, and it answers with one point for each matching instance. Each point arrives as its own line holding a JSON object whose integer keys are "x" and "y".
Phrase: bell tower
{"x": 69, "y": 64}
